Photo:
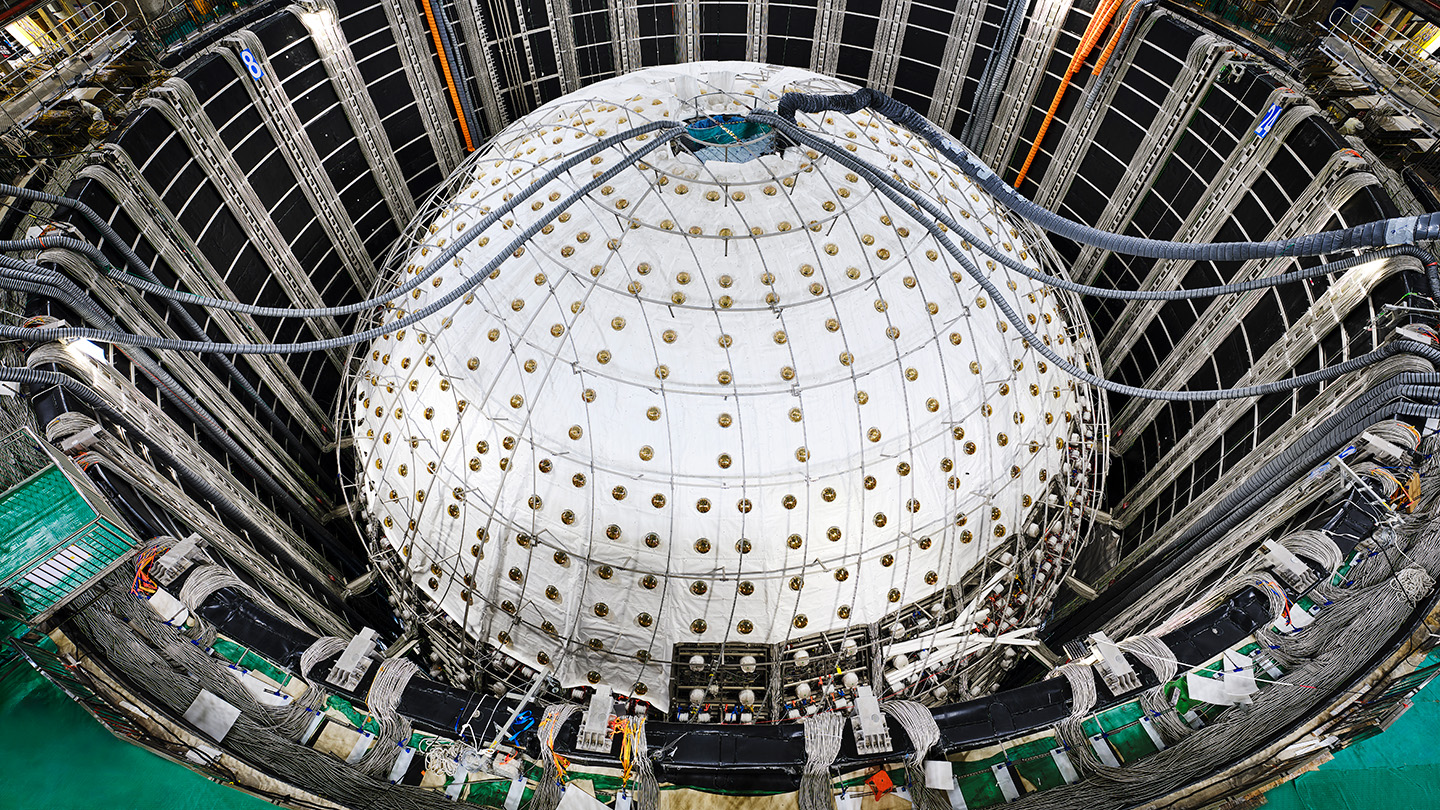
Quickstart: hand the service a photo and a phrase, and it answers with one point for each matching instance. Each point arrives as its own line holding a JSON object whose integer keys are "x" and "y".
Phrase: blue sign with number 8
{"x": 251, "y": 65}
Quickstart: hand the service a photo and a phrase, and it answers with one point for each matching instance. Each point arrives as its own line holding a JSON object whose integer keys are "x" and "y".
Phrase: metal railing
{"x": 76, "y": 47}
{"x": 189, "y": 17}
{"x": 59, "y": 535}
{"x": 1262, "y": 20}
{"x": 1385, "y": 49}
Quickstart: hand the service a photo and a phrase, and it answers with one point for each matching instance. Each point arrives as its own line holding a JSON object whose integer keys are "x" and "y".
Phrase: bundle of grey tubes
{"x": 1396, "y": 231}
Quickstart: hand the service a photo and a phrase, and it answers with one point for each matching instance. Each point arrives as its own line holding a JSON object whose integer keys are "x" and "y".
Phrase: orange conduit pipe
{"x": 449, "y": 79}
{"x": 1114, "y": 40}
{"x": 1097, "y": 25}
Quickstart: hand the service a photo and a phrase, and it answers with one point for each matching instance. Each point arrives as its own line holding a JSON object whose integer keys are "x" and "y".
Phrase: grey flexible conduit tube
{"x": 202, "y": 488}
{"x": 140, "y": 269}
{"x": 359, "y": 337}
{"x": 1320, "y": 442}
{"x": 876, "y": 176}
{"x": 1132, "y": 20}
{"x": 451, "y": 55}
{"x": 992, "y": 80}
{"x": 1397, "y": 231}
{"x": 172, "y": 390}
{"x": 448, "y": 253}
{"x": 1323, "y": 375}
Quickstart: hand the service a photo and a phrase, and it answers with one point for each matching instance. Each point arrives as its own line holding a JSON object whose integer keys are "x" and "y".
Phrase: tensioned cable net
{"x": 743, "y": 399}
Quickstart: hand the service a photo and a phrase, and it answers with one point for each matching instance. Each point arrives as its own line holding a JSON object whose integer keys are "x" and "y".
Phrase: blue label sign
{"x": 251, "y": 65}
{"x": 1271, "y": 116}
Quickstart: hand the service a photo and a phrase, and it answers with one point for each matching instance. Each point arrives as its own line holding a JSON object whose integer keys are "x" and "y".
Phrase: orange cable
{"x": 449, "y": 79}
{"x": 1114, "y": 40}
{"x": 1097, "y": 25}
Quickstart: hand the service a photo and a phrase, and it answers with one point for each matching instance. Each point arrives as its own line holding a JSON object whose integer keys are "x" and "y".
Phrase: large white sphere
{"x": 745, "y": 401}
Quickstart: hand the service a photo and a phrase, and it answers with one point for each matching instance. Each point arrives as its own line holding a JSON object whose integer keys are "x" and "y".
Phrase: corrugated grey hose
{"x": 65, "y": 290}
{"x": 876, "y": 176}
{"x": 992, "y": 80}
{"x": 1323, "y": 375}
{"x": 1288, "y": 384}
{"x": 141, "y": 269}
{"x": 1397, "y": 231}
{"x": 1132, "y": 19}
{"x": 451, "y": 56}
{"x": 446, "y": 255}
{"x": 442, "y": 258}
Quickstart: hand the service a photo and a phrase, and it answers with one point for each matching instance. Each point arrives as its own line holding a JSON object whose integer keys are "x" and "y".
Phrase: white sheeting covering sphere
{"x": 745, "y": 401}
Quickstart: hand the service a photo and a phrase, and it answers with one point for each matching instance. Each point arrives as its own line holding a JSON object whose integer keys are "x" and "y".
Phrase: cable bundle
{"x": 547, "y": 791}
{"x": 1070, "y": 731}
{"x": 144, "y": 586}
{"x": 1164, "y": 715}
{"x": 1154, "y": 654}
{"x": 323, "y": 648}
{"x": 635, "y": 759}
{"x": 206, "y": 579}
{"x": 822, "y": 744}
{"x": 1343, "y": 637}
{"x": 395, "y": 729}
{"x": 1316, "y": 545}
{"x": 919, "y": 725}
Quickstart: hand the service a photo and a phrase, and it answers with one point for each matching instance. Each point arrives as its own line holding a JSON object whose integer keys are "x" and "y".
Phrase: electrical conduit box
{"x": 351, "y": 666}
{"x": 872, "y": 735}
{"x": 594, "y": 734}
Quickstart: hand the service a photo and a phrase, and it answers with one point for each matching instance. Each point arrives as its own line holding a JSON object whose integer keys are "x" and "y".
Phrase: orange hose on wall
{"x": 449, "y": 79}
{"x": 1097, "y": 25}
{"x": 1114, "y": 40}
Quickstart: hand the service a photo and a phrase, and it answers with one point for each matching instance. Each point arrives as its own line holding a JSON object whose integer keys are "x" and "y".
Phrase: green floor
{"x": 1397, "y": 770}
{"x": 53, "y": 756}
